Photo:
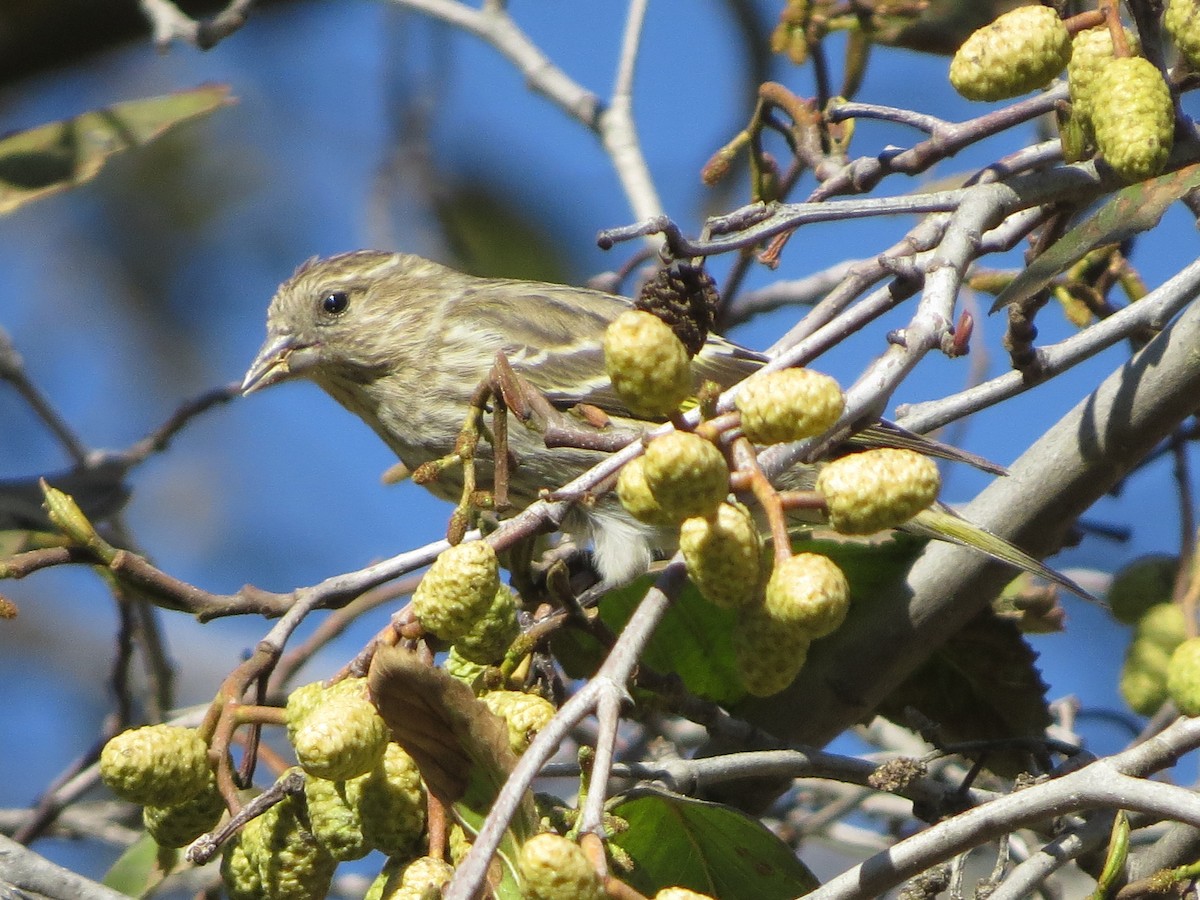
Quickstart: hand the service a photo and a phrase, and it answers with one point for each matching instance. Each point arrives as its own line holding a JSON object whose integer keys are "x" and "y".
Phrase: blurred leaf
{"x": 51, "y": 158}
{"x": 938, "y": 26}
{"x": 982, "y": 684}
{"x": 693, "y": 640}
{"x": 1129, "y": 212}
{"x": 137, "y": 871}
{"x": 494, "y": 236}
{"x": 719, "y": 851}
{"x": 100, "y": 492}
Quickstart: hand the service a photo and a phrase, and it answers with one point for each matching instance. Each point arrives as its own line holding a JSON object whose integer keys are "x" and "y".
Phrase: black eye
{"x": 335, "y": 303}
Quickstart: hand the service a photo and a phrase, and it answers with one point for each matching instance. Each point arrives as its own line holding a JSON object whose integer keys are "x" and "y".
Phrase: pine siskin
{"x": 403, "y": 343}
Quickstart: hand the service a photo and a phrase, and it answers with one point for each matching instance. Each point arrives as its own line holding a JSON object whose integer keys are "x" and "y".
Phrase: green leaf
{"x": 714, "y": 849}
{"x": 1130, "y": 211}
{"x": 694, "y": 641}
{"x": 137, "y": 870}
{"x": 502, "y": 878}
{"x": 51, "y": 158}
{"x": 981, "y": 685}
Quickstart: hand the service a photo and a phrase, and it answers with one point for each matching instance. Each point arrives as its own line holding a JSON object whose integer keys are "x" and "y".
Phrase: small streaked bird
{"x": 403, "y": 343}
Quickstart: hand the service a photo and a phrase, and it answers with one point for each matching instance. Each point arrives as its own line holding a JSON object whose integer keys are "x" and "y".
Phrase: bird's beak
{"x": 279, "y": 359}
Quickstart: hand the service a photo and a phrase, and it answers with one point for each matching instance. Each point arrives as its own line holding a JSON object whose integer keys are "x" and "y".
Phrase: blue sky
{"x": 150, "y": 285}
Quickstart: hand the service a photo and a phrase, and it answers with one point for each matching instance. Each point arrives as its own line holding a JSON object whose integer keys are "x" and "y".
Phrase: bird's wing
{"x": 725, "y": 362}
{"x": 555, "y": 341}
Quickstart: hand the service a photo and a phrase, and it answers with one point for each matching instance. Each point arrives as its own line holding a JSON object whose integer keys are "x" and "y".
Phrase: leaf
{"x": 1130, "y": 211}
{"x": 137, "y": 871}
{"x": 51, "y": 158}
{"x": 497, "y": 234}
{"x": 459, "y": 746}
{"x": 502, "y": 877}
{"x": 694, "y": 641}
{"x": 983, "y": 684}
{"x": 714, "y": 849}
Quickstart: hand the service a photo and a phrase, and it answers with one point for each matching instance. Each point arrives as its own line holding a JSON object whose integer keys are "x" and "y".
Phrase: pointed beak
{"x": 280, "y": 359}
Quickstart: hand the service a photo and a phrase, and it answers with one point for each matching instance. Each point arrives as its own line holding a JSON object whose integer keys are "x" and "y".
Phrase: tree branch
{"x": 1061, "y": 475}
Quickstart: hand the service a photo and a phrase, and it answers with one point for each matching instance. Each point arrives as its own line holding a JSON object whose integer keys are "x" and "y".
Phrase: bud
{"x": 649, "y": 366}
{"x": 524, "y": 714}
{"x": 877, "y": 489}
{"x": 1133, "y": 117}
{"x": 635, "y": 495}
{"x": 156, "y": 765}
{"x": 1091, "y": 51}
{"x": 808, "y": 591}
{"x": 181, "y": 823}
{"x": 789, "y": 405}
{"x": 66, "y": 515}
{"x": 1019, "y": 52}
{"x": 457, "y": 590}
{"x": 492, "y": 635}
{"x": 1182, "y": 22}
{"x": 687, "y": 475}
{"x": 1183, "y": 677}
{"x": 767, "y": 653}
{"x": 554, "y": 868}
{"x": 342, "y": 738}
{"x": 724, "y": 555}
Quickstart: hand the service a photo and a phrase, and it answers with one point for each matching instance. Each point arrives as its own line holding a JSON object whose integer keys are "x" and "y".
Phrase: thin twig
{"x": 612, "y": 677}
{"x": 170, "y": 23}
{"x": 1154, "y": 311}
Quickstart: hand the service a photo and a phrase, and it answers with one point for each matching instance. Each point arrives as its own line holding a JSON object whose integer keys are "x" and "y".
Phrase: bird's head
{"x": 347, "y": 315}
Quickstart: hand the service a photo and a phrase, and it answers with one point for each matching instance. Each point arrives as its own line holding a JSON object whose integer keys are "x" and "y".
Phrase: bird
{"x": 403, "y": 343}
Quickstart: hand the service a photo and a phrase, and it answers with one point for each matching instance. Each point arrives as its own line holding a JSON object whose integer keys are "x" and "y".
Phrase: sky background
{"x": 149, "y": 285}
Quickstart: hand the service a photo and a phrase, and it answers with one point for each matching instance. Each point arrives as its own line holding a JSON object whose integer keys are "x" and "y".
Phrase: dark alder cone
{"x": 686, "y": 298}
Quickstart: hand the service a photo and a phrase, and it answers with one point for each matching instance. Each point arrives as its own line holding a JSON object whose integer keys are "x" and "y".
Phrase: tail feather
{"x": 943, "y": 524}
{"x": 888, "y": 434}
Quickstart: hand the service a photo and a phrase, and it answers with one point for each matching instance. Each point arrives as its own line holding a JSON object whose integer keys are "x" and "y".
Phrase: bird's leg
{"x": 527, "y": 402}
{"x": 465, "y": 445}
{"x": 584, "y": 427}
{"x": 502, "y": 390}
{"x": 499, "y": 450}
{"x": 511, "y": 392}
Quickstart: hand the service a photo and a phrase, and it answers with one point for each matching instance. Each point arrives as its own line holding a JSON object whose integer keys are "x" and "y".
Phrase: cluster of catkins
{"x": 682, "y": 482}
{"x": 1161, "y": 662}
{"x": 362, "y": 792}
{"x": 1120, "y": 103}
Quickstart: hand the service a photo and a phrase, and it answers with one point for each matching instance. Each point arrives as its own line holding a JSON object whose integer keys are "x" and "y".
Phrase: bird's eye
{"x": 335, "y": 303}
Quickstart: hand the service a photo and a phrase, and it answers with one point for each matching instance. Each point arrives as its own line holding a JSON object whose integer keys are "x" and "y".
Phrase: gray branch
{"x": 1061, "y": 475}
{"x": 26, "y": 874}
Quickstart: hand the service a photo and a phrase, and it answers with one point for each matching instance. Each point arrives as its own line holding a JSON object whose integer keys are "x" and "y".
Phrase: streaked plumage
{"x": 417, "y": 338}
